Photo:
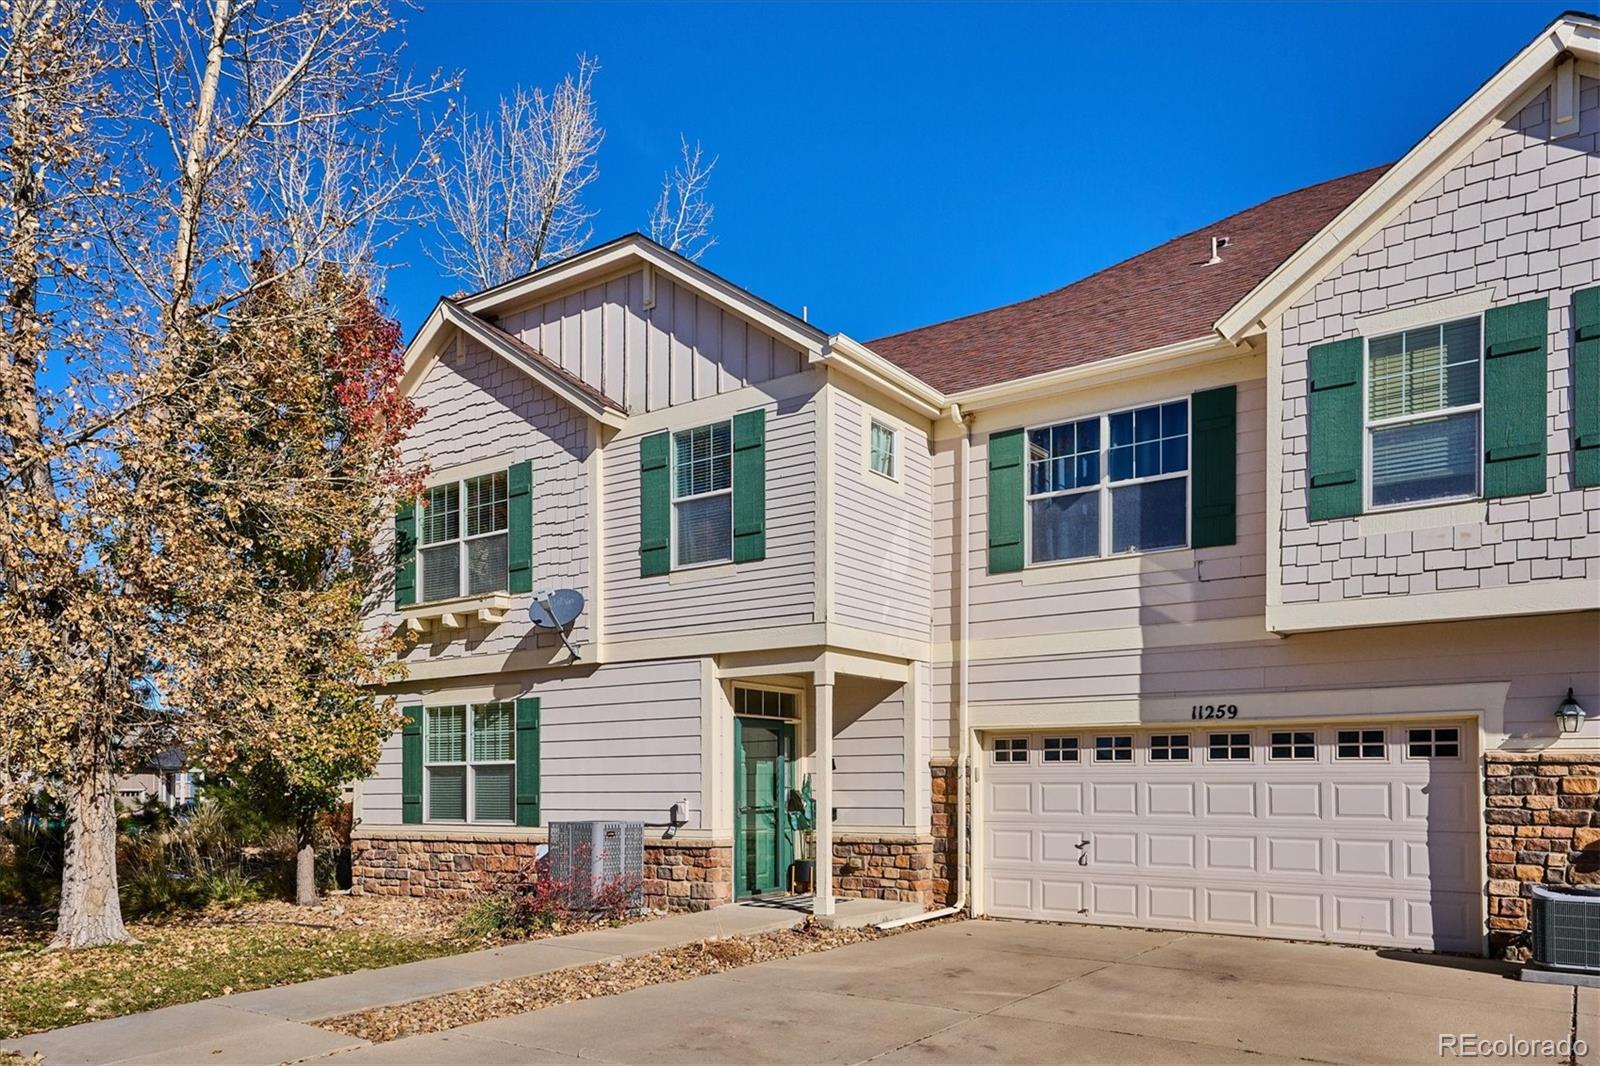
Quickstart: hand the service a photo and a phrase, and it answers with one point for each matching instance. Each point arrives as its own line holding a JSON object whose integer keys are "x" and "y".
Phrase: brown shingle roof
{"x": 1162, "y": 296}
{"x": 533, "y": 354}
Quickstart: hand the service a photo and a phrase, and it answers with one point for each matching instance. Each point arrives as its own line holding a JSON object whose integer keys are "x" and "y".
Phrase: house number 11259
{"x": 1214, "y": 710}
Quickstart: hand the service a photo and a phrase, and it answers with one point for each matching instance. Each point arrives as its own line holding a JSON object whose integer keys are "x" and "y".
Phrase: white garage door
{"x": 1364, "y": 835}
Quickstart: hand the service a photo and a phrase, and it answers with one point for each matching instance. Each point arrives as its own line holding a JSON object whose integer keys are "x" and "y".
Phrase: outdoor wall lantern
{"x": 1570, "y": 714}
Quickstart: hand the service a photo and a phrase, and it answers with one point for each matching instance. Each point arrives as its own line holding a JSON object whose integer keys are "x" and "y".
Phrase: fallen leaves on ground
{"x": 504, "y": 998}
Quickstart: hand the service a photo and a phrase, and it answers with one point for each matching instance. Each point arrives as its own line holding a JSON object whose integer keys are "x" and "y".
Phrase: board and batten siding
{"x": 619, "y": 741}
{"x": 778, "y": 590}
{"x": 1518, "y": 217}
{"x": 478, "y": 408}
{"x": 685, "y": 348}
{"x": 1539, "y": 656}
{"x": 1075, "y": 597}
{"x": 882, "y": 531}
{"x": 869, "y": 751}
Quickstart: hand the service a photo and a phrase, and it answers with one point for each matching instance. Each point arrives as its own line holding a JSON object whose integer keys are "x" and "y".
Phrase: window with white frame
{"x": 1441, "y": 742}
{"x": 1424, "y": 414}
{"x": 1169, "y": 747}
{"x": 1010, "y": 749}
{"x": 1228, "y": 747}
{"x": 1292, "y": 744}
{"x": 470, "y": 764}
{"x": 702, "y": 494}
{"x": 464, "y": 541}
{"x": 883, "y": 450}
{"x": 1359, "y": 744}
{"x": 1113, "y": 749}
{"x": 1060, "y": 749}
{"x": 1115, "y": 483}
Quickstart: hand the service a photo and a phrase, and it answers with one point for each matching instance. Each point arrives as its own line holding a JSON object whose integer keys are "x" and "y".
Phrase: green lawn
{"x": 185, "y": 961}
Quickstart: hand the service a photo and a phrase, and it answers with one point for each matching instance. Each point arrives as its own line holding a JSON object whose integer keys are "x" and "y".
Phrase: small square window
{"x": 1169, "y": 747}
{"x": 1060, "y": 749}
{"x": 1293, "y": 744}
{"x": 1113, "y": 749}
{"x": 1222, "y": 747}
{"x": 1359, "y": 744}
{"x": 882, "y": 456}
{"x": 1010, "y": 749}
{"x": 1436, "y": 743}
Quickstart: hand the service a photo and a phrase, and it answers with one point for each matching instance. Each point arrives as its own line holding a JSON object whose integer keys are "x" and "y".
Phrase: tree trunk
{"x": 305, "y": 858}
{"x": 91, "y": 914}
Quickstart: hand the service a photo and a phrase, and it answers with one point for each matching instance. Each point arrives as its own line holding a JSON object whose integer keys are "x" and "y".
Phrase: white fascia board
{"x": 862, "y": 363}
{"x": 609, "y": 257}
{"x": 1406, "y": 180}
{"x": 422, "y": 347}
{"x": 1117, "y": 368}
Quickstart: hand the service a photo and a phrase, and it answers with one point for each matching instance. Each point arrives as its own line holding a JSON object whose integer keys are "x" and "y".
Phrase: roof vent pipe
{"x": 1217, "y": 245}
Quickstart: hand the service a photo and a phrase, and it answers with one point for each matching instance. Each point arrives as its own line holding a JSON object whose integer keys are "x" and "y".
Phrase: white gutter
{"x": 1120, "y": 368}
{"x": 859, "y": 361}
{"x": 965, "y": 600}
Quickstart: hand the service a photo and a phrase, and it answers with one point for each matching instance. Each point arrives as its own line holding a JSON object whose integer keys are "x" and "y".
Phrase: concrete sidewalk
{"x": 269, "y": 1026}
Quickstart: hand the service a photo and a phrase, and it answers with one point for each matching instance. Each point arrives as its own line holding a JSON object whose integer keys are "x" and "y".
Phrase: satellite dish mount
{"x": 556, "y": 611}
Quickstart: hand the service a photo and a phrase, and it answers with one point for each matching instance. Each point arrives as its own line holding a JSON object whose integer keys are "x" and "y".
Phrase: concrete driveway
{"x": 989, "y": 991}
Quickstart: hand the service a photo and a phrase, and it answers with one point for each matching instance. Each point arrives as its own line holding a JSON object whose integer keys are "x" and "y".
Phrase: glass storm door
{"x": 761, "y": 846}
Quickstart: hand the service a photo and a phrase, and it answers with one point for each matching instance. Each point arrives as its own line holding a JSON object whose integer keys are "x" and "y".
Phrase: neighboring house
{"x": 165, "y": 778}
{"x": 1245, "y": 577}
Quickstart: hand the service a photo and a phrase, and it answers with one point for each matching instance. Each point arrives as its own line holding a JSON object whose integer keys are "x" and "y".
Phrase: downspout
{"x": 964, "y": 600}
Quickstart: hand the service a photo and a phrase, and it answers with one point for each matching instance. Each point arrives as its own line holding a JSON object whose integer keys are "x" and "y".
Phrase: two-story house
{"x": 1239, "y": 587}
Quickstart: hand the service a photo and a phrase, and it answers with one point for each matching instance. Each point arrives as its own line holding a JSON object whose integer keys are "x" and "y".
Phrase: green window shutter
{"x": 1333, "y": 469}
{"x": 528, "y": 761}
{"x": 1516, "y": 377}
{"x": 1214, "y": 421}
{"x": 519, "y": 526}
{"x": 405, "y": 555}
{"x": 411, "y": 767}
{"x": 750, "y": 486}
{"x": 655, "y": 505}
{"x": 1005, "y": 501}
{"x": 1586, "y": 388}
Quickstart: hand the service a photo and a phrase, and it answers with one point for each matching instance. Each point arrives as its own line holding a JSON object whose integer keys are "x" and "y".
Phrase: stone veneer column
{"x": 886, "y": 867}
{"x": 1543, "y": 822}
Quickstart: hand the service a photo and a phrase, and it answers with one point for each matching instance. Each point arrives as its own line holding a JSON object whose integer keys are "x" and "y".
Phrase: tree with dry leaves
{"x": 683, "y": 213}
{"x": 149, "y": 163}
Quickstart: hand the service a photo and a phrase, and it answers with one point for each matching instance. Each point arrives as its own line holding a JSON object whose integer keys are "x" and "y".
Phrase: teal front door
{"x": 761, "y": 846}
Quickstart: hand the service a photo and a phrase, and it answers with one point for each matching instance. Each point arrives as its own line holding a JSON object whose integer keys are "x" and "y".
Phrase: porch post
{"x": 822, "y": 713}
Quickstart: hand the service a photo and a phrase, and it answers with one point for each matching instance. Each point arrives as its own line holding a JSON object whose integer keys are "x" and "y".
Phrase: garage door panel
{"x": 1365, "y": 850}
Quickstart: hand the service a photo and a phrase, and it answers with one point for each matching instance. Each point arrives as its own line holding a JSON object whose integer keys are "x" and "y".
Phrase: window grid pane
{"x": 493, "y": 731}
{"x": 1295, "y": 744}
{"x": 447, "y": 734}
{"x": 1441, "y": 743}
{"x": 1063, "y": 457}
{"x": 1229, "y": 746}
{"x": 1172, "y": 747}
{"x": 703, "y": 460}
{"x": 1011, "y": 749}
{"x": 1149, "y": 441}
{"x": 441, "y": 514}
{"x": 883, "y": 441}
{"x": 488, "y": 504}
{"x": 1060, "y": 749}
{"x": 1360, "y": 744}
{"x": 1113, "y": 749}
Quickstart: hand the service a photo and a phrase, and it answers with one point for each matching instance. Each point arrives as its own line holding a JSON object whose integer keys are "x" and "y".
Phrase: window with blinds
{"x": 463, "y": 529}
{"x": 1424, "y": 413}
{"x": 702, "y": 494}
{"x": 470, "y": 762}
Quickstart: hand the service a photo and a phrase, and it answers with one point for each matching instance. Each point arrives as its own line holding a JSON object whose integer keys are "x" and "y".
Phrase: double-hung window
{"x": 881, "y": 448}
{"x": 470, "y": 762}
{"x": 1424, "y": 414}
{"x": 1108, "y": 485}
{"x": 463, "y": 527}
{"x": 702, "y": 494}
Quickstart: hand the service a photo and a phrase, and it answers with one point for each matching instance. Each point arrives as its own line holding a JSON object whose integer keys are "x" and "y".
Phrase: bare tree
{"x": 510, "y": 188}
{"x": 683, "y": 214}
{"x": 159, "y": 175}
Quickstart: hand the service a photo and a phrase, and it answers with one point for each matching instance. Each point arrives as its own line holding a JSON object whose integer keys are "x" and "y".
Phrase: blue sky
{"x": 891, "y": 165}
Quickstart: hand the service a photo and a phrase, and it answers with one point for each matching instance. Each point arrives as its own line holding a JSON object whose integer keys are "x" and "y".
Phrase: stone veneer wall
{"x": 943, "y": 790}
{"x": 678, "y": 875}
{"x": 893, "y": 868}
{"x": 1543, "y": 828}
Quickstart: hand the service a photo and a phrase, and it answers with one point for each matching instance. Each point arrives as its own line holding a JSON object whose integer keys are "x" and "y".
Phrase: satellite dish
{"x": 557, "y": 611}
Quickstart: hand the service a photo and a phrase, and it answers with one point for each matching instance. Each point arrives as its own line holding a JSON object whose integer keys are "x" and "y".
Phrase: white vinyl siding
{"x": 1424, "y": 414}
